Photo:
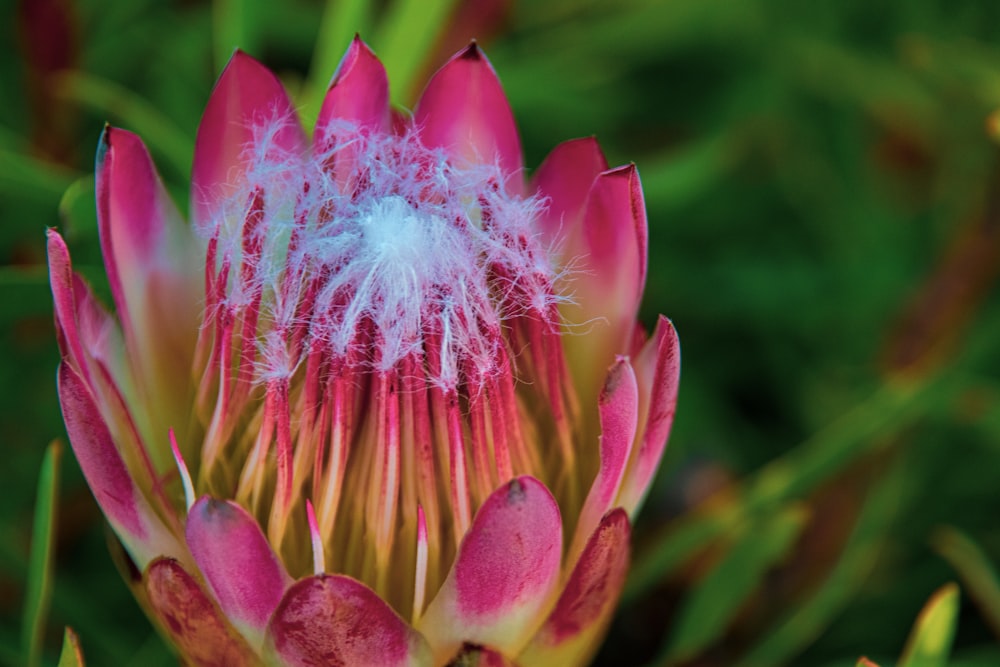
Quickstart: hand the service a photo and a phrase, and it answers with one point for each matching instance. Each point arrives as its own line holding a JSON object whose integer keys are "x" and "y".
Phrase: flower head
{"x": 383, "y": 401}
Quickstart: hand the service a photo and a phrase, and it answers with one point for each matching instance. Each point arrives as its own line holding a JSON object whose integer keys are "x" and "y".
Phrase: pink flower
{"x": 383, "y": 402}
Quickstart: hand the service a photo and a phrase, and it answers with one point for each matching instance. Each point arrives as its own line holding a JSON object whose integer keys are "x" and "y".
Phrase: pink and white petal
{"x": 564, "y": 179}
{"x": 151, "y": 259}
{"x": 481, "y": 656}
{"x": 619, "y": 412}
{"x": 141, "y": 230}
{"x": 127, "y": 510}
{"x": 464, "y": 110}
{"x": 244, "y": 574}
{"x": 578, "y": 623}
{"x": 609, "y": 275}
{"x": 358, "y": 95}
{"x": 246, "y": 98}
{"x": 194, "y": 624}
{"x": 658, "y": 370}
{"x": 63, "y": 283}
{"x": 336, "y": 620}
{"x": 504, "y": 576}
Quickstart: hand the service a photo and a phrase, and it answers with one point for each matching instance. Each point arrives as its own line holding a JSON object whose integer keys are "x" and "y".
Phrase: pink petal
{"x": 358, "y": 94}
{"x": 193, "y": 623}
{"x": 578, "y": 622}
{"x": 504, "y": 575}
{"x": 244, "y": 574}
{"x": 336, "y": 620}
{"x": 618, "y": 407}
{"x": 658, "y": 370}
{"x": 608, "y": 274}
{"x": 151, "y": 260}
{"x": 136, "y": 219}
{"x": 616, "y": 240}
{"x": 564, "y": 179}
{"x": 246, "y": 96}
{"x": 464, "y": 110}
{"x": 62, "y": 280}
{"x": 126, "y": 509}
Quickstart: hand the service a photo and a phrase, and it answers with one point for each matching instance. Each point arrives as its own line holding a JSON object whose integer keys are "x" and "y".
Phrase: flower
{"x": 383, "y": 402}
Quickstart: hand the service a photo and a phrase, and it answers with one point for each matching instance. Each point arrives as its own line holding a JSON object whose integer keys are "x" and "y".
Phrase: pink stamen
{"x": 189, "y": 497}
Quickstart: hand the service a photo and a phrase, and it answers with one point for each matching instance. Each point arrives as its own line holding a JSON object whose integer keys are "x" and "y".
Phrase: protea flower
{"x": 383, "y": 402}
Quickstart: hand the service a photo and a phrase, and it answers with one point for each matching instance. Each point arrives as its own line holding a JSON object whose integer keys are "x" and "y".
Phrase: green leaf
{"x": 342, "y": 19}
{"x": 790, "y": 476}
{"x": 40, "y": 566}
{"x": 756, "y": 547}
{"x": 77, "y": 210}
{"x": 22, "y": 174}
{"x": 133, "y": 111}
{"x": 232, "y": 27}
{"x": 978, "y": 575}
{"x": 405, "y": 38}
{"x": 930, "y": 640}
{"x": 72, "y": 655}
{"x": 805, "y": 623}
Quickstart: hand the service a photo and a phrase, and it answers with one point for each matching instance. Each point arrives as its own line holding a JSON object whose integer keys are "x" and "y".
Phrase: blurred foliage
{"x": 823, "y": 192}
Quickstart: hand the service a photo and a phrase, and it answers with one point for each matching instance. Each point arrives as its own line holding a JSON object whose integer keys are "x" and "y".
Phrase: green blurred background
{"x": 823, "y": 189}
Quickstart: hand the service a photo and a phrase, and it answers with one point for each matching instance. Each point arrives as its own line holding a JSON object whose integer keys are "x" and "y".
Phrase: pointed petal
{"x": 608, "y": 277}
{"x": 126, "y": 509}
{"x": 62, "y": 281}
{"x": 564, "y": 179}
{"x": 658, "y": 370}
{"x": 151, "y": 260}
{"x": 137, "y": 223}
{"x": 244, "y": 574}
{"x": 504, "y": 575}
{"x": 464, "y": 110}
{"x": 336, "y": 620}
{"x": 358, "y": 94}
{"x": 619, "y": 412}
{"x": 193, "y": 623}
{"x": 246, "y": 96}
{"x": 578, "y": 622}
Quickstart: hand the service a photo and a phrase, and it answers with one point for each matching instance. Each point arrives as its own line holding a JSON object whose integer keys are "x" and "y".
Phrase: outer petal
{"x": 151, "y": 259}
{"x": 564, "y": 179}
{"x": 193, "y": 622}
{"x": 464, "y": 110}
{"x": 358, "y": 94}
{"x": 128, "y": 512}
{"x": 246, "y": 96}
{"x": 658, "y": 372}
{"x": 578, "y": 622}
{"x": 610, "y": 272}
{"x": 504, "y": 575}
{"x": 335, "y": 620}
{"x": 245, "y": 575}
{"x": 619, "y": 408}
{"x": 63, "y": 281}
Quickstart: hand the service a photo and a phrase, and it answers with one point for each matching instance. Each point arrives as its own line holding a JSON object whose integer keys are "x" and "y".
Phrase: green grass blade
{"x": 342, "y": 19}
{"x": 801, "y": 627}
{"x": 40, "y": 565}
{"x": 232, "y": 27}
{"x": 977, "y": 573}
{"x": 930, "y": 640}
{"x": 790, "y": 476}
{"x": 72, "y": 655}
{"x": 404, "y": 41}
{"x": 717, "y": 599}
{"x": 134, "y": 112}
